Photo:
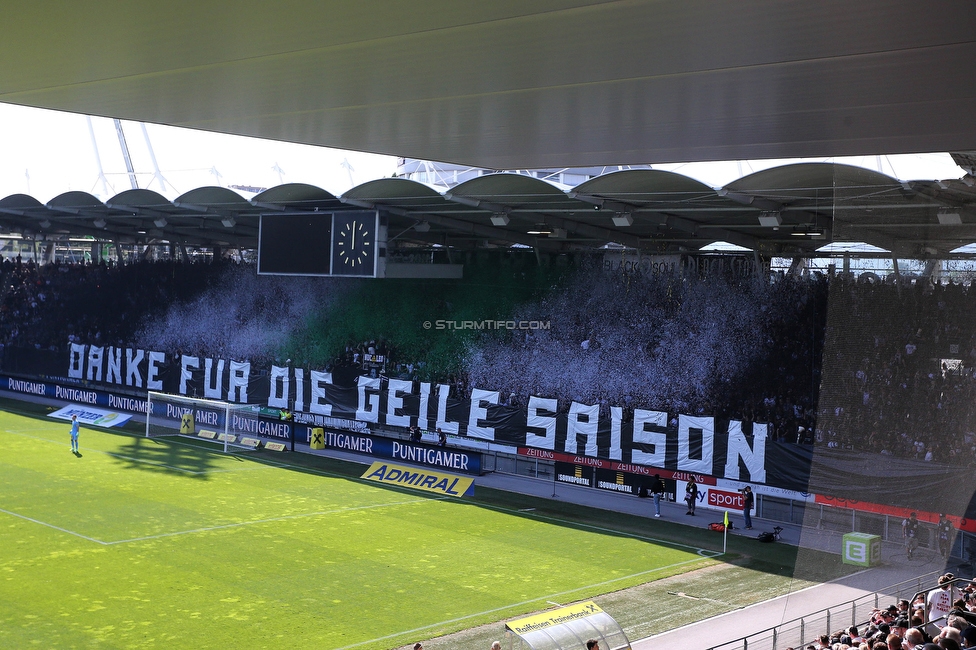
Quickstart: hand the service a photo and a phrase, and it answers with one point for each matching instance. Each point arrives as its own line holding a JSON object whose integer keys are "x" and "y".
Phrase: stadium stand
{"x": 47, "y": 306}
{"x": 744, "y": 348}
{"x": 912, "y": 376}
{"x": 636, "y": 325}
{"x": 901, "y": 367}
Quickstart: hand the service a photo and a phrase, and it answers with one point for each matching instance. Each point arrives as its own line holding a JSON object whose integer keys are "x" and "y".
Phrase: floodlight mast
{"x": 98, "y": 160}
{"x": 157, "y": 175}
{"x": 125, "y": 154}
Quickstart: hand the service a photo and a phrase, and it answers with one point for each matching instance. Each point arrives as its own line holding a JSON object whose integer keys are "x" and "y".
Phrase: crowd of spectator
{"x": 899, "y": 371}
{"x": 375, "y": 357}
{"x": 898, "y": 359}
{"x": 244, "y": 316}
{"x": 942, "y": 619}
{"x": 47, "y": 306}
{"x": 740, "y": 348}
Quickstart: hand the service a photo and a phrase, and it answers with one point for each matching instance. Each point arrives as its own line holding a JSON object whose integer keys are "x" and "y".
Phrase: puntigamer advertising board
{"x": 616, "y": 448}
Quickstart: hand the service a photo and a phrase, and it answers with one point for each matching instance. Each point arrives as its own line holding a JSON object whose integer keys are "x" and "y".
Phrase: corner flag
{"x": 725, "y": 534}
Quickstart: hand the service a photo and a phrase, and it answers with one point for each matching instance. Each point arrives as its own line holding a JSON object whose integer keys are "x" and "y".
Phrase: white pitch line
{"x": 265, "y": 521}
{"x": 545, "y": 597}
{"x": 212, "y": 528}
{"x": 63, "y": 530}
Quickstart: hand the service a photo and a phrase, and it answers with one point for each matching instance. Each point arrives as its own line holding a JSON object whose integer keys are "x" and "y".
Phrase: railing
{"x": 954, "y": 583}
{"x": 848, "y": 520}
{"x": 825, "y": 517}
{"x": 841, "y": 520}
{"x": 807, "y": 629}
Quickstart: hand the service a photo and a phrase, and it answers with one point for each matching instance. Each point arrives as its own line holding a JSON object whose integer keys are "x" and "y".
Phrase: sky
{"x": 46, "y": 153}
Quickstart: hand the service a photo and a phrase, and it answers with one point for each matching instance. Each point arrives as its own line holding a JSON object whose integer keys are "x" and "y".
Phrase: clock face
{"x": 354, "y": 248}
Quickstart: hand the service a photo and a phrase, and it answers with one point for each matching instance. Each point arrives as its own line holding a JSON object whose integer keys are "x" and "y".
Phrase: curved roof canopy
{"x": 793, "y": 209}
{"x": 515, "y": 85}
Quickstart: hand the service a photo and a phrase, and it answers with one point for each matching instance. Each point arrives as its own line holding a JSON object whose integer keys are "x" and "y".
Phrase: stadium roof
{"x": 506, "y": 85}
{"x": 792, "y": 209}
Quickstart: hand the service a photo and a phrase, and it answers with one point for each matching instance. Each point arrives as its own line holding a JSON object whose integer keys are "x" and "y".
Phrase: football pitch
{"x": 164, "y": 543}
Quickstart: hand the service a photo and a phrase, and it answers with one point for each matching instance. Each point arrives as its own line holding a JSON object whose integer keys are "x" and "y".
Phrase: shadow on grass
{"x": 775, "y": 559}
{"x": 189, "y": 458}
{"x": 168, "y": 457}
{"x": 194, "y": 458}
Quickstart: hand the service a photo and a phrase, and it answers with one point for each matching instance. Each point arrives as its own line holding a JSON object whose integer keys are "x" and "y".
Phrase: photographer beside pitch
{"x": 657, "y": 491}
{"x": 748, "y": 500}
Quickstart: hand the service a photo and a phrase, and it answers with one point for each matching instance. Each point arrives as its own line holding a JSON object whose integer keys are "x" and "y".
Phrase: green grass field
{"x": 160, "y": 543}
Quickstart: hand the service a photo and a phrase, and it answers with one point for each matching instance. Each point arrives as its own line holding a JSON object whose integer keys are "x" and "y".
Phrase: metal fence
{"x": 840, "y": 520}
{"x": 807, "y": 629}
{"x": 824, "y": 517}
{"x": 848, "y": 520}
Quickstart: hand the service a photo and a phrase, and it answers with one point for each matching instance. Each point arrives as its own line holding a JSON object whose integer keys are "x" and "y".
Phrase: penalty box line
{"x": 58, "y": 528}
{"x": 520, "y": 604}
{"x": 269, "y": 520}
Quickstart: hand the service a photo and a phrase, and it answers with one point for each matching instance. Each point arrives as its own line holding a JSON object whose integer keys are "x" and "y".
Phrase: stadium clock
{"x": 354, "y": 244}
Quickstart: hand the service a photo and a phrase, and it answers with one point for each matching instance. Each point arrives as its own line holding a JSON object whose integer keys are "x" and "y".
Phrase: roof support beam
{"x": 694, "y": 228}
{"x": 595, "y": 232}
{"x": 277, "y": 207}
{"x": 670, "y": 221}
{"x": 478, "y": 203}
{"x": 603, "y": 203}
{"x": 452, "y": 223}
{"x": 758, "y": 202}
{"x": 140, "y": 211}
{"x": 875, "y": 237}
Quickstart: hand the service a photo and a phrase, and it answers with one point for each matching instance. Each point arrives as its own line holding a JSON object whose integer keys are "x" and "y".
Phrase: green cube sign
{"x": 862, "y": 549}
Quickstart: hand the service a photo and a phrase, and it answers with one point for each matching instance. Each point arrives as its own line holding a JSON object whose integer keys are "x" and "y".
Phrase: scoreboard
{"x": 349, "y": 243}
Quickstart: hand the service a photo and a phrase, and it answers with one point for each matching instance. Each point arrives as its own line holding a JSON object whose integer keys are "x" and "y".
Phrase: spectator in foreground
{"x": 913, "y": 639}
{"x": 940, "y": 600}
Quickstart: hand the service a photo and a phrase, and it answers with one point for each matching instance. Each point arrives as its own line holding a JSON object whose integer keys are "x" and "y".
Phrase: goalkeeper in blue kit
{"x": 74, "y": 434}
